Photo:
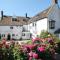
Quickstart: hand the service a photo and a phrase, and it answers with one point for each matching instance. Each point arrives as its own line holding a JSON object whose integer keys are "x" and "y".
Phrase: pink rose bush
{"x": 39, "y": 49}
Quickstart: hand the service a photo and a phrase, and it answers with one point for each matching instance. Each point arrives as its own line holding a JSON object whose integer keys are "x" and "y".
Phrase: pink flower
{"x": 4, "y": 41}
{"x": 7, "y": 46}
{"x": 31, "y": 54}
{"x": 12, "y": 42}
{"x": 30, "y": 46}
{"x": 41, "y": 49}
{"x": 35, "y": 55}
{"x": 30, "y": 58}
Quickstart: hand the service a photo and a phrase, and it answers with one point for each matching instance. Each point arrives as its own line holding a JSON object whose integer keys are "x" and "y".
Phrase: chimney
{"x": 26, "y": 15}
{"x": 1, "y": 15}
{"x": 54, "y": 2}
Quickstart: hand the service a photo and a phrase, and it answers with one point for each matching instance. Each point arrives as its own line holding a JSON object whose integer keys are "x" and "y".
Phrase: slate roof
{"x": 7, "y": 20}
{"x": 41, "y": 15}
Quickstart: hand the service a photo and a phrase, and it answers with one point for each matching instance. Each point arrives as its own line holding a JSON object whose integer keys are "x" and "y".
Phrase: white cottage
{"x": 48, "y": 19}
{"x": 21, "y": 27}
{"x": 14, "y": 27}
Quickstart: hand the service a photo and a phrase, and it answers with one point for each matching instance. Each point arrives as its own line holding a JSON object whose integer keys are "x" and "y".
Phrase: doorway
{"x": 8, "y": 37}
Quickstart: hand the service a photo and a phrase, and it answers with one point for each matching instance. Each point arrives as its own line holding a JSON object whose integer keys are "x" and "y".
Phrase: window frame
{"x": 52, "y": 24}
{"x": 13, "y": 34}
{"x": 11, "y": 27}
{"x": 14, "y": 19}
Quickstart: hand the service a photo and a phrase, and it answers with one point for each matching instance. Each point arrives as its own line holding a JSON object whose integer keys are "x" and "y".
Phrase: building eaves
{"x": 41, "y": 15}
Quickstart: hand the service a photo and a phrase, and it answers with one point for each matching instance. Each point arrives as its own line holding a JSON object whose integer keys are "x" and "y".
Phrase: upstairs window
{"x": 34, "y": 24}
{"x": 13, "y": 34}
{"x": 51, "y": 24}
{"x": 11, "y": 27}
{"x": 14, "y": 19}
{"x": 25, "y": 20}
{"x": 23, "y": 29}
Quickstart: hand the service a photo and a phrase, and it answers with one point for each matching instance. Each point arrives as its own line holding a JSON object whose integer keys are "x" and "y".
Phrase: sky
{"x": 21, "y": 7}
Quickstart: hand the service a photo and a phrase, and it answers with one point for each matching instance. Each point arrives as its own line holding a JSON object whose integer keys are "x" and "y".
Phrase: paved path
{"x": 20, "y": 42}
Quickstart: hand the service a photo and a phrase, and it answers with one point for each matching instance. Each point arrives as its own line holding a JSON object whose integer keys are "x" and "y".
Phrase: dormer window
{"x": 52, "y": 24}
{"x": 14, "y": 19}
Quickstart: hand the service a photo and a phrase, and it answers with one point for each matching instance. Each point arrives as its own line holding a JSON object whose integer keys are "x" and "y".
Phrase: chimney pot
{"x": 26, "y": 15}
{"x": 1, "y": 15}
{"x": 55, "y": 1}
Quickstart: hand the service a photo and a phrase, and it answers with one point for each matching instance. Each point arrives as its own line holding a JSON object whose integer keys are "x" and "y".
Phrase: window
{"x": 14, "y": 19}
{"x": 3, "y": 35}
{"x": 13, "y": 34}
{"x": 52, "y": 24}
{"x": 23, "y": 29}
{"x": 25, "y": 20}
{"x": 34, "y": 24}
{"x": 11, "y": 27}
{"x": 23, "y": 34}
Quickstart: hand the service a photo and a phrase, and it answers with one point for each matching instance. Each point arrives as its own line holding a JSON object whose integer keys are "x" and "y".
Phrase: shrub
{"x": 43, "y": 47}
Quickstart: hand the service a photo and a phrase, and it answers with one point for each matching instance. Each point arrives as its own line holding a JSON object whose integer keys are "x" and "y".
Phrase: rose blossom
{"x": 7, "y": 46}
{"x": 41, "y": 49}
{"x": 35, "y": 55}
{"x": 12, "y": 42}
{"x": 30, "y": 46}
{"x": 31, "y": 54}
{"x": 4, "y": 41}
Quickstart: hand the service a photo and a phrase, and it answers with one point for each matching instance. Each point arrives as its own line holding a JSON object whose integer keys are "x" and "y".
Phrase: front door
{"x": 8, "y": 37}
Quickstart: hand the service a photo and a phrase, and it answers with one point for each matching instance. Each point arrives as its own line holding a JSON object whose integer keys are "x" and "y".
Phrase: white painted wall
{"x": 54, "y": 15}
{"x": 25, "y": 27}
{"x": 40, "y": 25}
{"x": 27, "y": 35}
{"x": 17, "y": 30}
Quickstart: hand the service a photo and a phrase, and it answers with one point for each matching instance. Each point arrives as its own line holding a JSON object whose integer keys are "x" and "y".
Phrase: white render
{"x": 40, "y": 25}
{"x": 54, "y": 15}
{"x": 17, "y": 31}
{"x": 43, "y": 24}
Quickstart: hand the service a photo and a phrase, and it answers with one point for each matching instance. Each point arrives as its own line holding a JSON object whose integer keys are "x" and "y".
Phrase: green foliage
{"x": 44, "y": 34}
{"x": 15, "y": 51}
{"x": 29, "y": 42}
